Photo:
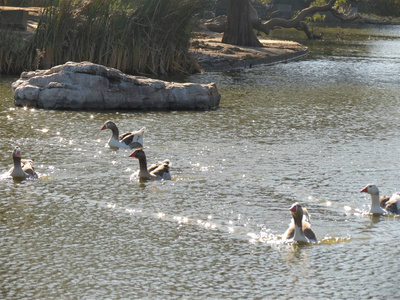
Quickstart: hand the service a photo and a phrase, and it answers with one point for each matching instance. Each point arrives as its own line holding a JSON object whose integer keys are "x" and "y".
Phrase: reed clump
{"x": 13, "y": 50}
{"x": 136, "y": 37}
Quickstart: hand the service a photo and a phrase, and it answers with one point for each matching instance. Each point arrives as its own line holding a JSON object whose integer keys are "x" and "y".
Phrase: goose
{"x": 23, "y": 168}
{"x": 127, "y": 140}
{"x": 300, "y": 229}
{"x": 384, "y": 204}
{"x": 391, "y": 203}
{"x": 159, "y": 171}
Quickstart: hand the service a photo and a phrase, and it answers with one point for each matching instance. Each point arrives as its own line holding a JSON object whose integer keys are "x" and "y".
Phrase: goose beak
{"x": 133, "y": 154}
{"x": 364, "y": 190}
{"x": 104, "y": 127}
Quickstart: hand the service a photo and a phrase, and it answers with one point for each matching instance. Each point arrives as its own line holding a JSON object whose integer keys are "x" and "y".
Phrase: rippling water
{"x": 315, "y": 131}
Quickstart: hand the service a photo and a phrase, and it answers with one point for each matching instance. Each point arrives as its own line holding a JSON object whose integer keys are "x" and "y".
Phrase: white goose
{"x": 384, "y": 204}
{"x": 300, "y": 228}
{"x": 127, "y": 140}
{"x": 23, "y": 168}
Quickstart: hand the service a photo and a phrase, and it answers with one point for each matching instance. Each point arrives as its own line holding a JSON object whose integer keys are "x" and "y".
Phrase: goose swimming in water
{"x": 127, "y": 140}
{"x": 300, "y": 227}
{"x": 384, "y": 204}
{"x": 159, "y": 171}
{"x": 23, "y": 168}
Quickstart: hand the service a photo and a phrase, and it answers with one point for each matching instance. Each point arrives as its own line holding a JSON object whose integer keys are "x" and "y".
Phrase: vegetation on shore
{"x": 136, "y": 37}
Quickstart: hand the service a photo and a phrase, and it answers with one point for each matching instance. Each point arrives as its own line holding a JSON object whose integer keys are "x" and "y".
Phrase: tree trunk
{"x": 240, "y": 28}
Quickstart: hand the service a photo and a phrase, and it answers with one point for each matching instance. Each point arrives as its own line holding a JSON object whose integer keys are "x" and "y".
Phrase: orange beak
{"x": 102, "y": 128}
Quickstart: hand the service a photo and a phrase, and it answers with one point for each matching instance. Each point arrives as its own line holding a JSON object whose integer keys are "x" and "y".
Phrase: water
{"x": 315, "y": 130}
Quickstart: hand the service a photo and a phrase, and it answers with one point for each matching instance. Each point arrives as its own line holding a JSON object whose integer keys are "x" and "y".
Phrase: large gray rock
{"x": 87, "y": 86}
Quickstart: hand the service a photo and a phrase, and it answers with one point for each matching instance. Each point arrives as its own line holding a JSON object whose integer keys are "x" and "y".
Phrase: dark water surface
{"x": 315, "y": 130}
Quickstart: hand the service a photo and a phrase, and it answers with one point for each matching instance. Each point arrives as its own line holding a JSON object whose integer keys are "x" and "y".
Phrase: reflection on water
{"x": 315, "y": 131}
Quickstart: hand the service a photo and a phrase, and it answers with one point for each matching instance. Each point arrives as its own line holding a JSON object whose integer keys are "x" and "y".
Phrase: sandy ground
{"x": 212, "y": 55}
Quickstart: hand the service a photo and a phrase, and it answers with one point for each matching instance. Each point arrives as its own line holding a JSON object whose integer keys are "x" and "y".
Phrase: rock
{"x": 88, "y": 86}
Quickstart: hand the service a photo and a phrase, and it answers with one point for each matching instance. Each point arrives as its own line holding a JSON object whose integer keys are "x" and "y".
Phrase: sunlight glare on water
{"x": 315, "y": 130}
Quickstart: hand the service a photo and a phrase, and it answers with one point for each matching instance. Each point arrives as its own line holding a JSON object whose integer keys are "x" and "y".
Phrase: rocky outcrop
{"x": 88, "y": 86}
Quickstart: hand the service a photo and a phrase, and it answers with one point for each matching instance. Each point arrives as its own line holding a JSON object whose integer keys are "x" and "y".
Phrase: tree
{"x": 240, "y": 25}
{"x": 242, "y": 19}
{"x": 298, "y": 21}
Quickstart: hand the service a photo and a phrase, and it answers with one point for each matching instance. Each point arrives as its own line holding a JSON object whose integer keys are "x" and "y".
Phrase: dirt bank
{"x": 212, "y": 55}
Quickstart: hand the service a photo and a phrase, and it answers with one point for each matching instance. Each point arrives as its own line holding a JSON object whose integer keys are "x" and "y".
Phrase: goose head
{"x": 297, "y": 213}
{"x": 109, "y": 125}
{"x": 17, "y": 153}
{"x": 138, "y": 153}
{"x": 370, "y": 189}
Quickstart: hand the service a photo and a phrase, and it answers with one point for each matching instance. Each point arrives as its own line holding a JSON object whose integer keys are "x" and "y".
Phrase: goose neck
{"x": 375, "y": 206}
{"x": 115, "y": 131}
{"x": 299, "y": 234}
{"x": 143, "y": 167}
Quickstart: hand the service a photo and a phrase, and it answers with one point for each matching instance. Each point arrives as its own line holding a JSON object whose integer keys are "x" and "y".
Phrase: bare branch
{"x": 298, "y": 21}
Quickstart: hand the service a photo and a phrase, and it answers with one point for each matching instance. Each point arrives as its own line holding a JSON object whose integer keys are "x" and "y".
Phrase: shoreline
{"x": 210, "y": 53}
{"x": 214, "y": 56}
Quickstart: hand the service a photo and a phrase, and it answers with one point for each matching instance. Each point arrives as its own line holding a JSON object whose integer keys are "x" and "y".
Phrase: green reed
{"x": 137, "y": 37}
{"x": 12, "y": 50}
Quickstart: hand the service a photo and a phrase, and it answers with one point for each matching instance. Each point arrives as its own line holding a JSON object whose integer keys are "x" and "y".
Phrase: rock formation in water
{"x": 88, "y": 86}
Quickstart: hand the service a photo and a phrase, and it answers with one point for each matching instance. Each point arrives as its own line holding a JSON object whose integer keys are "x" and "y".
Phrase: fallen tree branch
{"x": 298, "y": 21}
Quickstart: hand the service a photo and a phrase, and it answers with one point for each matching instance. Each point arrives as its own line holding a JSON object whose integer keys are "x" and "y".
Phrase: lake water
{"x": 316, "y": 130}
